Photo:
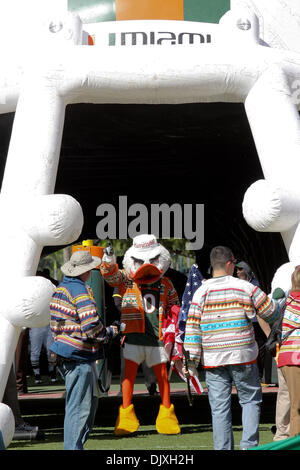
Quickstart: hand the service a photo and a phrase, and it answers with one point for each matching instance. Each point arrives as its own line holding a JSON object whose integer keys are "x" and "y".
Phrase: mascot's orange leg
{"x": 161, "y": 375}
{"x": 166, "y": 421}
{"x": 130, "y": 371}
{"x": 127, "y": 421}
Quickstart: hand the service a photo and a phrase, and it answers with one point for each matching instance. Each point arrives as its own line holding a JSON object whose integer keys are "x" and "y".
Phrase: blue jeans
{"x": 81, "y": 405}
{"x": 39, "y": 337}
{"x": 219, "y": 382}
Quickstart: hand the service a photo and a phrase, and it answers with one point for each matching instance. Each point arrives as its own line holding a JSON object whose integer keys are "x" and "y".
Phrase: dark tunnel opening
{"x": 154, "y": 154}
{"x": 186, "y": 154}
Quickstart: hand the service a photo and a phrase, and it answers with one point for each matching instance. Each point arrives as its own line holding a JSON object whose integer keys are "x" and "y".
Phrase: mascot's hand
{"x": 114, "y": 330}
{"x": 108, "y": 250}
{"x": 108, "y": 255}
{"x": 190, "y": 370}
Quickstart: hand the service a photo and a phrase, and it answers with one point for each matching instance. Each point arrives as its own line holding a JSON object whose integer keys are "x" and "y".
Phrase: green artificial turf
{"x": 192, "y": 437}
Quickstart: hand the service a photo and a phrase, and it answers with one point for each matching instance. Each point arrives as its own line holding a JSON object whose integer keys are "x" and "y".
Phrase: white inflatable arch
{"x": 165, "y": 62}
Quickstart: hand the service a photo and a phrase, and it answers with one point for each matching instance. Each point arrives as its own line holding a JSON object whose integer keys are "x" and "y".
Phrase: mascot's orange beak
{"x": 146, "y": 274}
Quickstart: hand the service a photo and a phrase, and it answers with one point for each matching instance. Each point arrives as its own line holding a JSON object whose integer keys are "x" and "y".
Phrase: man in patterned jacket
{"x": 78, "y": 335}
{"x": 219, "y": 331}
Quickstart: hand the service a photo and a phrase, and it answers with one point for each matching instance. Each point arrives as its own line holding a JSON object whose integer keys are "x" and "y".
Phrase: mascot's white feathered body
{"x": 147, "y": 295}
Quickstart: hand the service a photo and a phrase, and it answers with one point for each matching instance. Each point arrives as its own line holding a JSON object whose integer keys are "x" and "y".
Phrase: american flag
{"x": 194, "y": 281}
{"x": 173, "y": 347}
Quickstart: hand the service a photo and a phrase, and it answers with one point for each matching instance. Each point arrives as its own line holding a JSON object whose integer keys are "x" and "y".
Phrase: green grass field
{"x": 192, "y": 437}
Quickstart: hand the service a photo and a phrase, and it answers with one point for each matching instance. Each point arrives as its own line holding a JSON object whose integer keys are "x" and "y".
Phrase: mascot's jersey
{"x": 143, "y": 305}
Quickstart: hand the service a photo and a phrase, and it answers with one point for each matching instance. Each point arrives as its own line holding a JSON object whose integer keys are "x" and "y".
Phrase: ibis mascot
{"x": 147, "y": 297}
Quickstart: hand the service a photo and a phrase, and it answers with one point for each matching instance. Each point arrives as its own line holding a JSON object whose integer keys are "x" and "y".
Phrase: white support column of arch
{"x": 35, "y": 142}
{"x": 30, "y": 171}
{"x": 33, "y": 216}
{"x": 272, "y": 205}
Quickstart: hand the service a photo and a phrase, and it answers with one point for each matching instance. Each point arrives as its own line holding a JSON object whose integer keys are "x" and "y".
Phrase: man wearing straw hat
{"x": 78, "y": 335}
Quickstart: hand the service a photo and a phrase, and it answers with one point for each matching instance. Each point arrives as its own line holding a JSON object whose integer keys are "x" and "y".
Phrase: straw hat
{"x": 79, "y": 263}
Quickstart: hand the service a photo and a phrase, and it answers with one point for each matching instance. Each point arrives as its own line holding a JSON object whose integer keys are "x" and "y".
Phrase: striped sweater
{"x": 219, "y": 325}
{"x": 289, "y": 353}
{"x": 75, "y": 323}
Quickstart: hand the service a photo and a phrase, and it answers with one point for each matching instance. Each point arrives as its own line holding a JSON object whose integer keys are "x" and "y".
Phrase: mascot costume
{"x": 147, "y": 296}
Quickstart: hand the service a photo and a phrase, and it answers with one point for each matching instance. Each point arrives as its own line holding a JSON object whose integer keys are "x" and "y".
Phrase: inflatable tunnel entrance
{"x": 169, "y": 109}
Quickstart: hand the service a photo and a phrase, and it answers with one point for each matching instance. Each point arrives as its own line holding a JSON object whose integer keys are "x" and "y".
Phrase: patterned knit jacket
{"x": 289, "y": 353}
{"x": 75, "y": 323}
{"x": 219, "y": 325}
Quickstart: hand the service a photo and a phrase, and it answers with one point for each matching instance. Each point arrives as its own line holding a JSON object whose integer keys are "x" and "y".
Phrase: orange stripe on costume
{"x": 149, "y": 10}
{"x": 133, "y": 316}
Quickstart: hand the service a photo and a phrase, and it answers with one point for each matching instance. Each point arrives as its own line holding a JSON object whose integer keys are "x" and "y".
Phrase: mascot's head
{"x": 146, "y": 260}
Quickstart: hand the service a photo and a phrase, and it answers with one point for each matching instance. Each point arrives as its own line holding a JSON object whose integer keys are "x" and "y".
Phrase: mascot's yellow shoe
{"x": 127, "y": 421}
{"x": 166, "y": 421}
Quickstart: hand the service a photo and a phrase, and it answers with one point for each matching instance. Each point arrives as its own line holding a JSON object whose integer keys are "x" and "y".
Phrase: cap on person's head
{"x": 79, "y": 263}
{"x": 243, "y": 265}
{"x": 278, "y": 294}
{"x": 145, "y": 245}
